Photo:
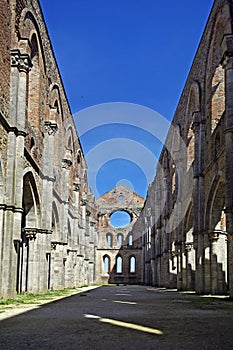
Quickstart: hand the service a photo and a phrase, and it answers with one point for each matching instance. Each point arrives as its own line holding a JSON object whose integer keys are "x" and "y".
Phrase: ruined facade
{"x": 54, "y": 234}
{"x": 119, "y": 252}
{"x": 47, "y": 212}
{"x": 189, "y": 206}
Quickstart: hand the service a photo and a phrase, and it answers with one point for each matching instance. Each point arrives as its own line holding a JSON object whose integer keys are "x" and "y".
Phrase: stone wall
{"x": 189, "y": 205}
{"x": 47, "y": 227}
{"x": 119, "y": 253}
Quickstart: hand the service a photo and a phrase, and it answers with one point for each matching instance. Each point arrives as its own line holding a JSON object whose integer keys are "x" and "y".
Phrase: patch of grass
{"x": 36, "y": 298}
{"x": 31, "y": 298}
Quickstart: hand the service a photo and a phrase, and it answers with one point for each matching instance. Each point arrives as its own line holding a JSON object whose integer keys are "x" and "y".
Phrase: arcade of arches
{"x": 54, "y": 233}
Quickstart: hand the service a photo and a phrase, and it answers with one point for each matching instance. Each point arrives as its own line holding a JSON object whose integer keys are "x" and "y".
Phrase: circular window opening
{"x": 120, "y": 219}
{"x": 121, "y": 198}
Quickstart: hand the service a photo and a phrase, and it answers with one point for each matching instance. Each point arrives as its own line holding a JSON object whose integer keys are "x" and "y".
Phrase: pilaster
{"x": 227, "y": 62}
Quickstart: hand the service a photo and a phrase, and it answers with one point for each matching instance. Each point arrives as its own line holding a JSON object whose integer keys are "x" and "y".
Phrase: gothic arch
{"x": 56, "y": 104}
{"x": 69, "y": 156}
{"x": 221, "y": 26}
{"x": 132, "y": 264}
{"x": 119, "y": 264}
{"x": 33, "y": 86}
{"x": 188, "y": 225}
{"x": 193, "y": 106}
{"x": 215, "y": 75}
{"x": 55, "y": 221}
{"x": 27, "y": 27}
{"x": 31, "y": 202}
{"x": 106, "y": 264}
{"x": 214, "y": 213}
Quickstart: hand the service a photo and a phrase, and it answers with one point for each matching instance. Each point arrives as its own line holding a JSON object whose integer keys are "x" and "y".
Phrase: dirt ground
{"x": 121, "y": 317}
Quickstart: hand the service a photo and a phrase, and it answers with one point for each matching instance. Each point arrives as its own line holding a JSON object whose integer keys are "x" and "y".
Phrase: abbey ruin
{"x": 54, "y": 233}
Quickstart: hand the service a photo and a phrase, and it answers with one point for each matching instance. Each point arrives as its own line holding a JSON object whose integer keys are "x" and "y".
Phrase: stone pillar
{"x": 50, "y": 128}
{"x": 20, "y": 66}
{"x": 213, "y": 237}
{"x": 32, "y": 277}
{"x": 66, "y": 164}
{"x": 199, "y": 202}
{"x": 76, "y": 194}
{"x": 227, "y": 46}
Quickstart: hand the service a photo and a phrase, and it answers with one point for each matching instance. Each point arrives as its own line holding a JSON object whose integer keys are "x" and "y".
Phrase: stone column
{"x": 44, "y": 239}
{"x": 227, "y": 46}
{"x": 213, "y": 237}
{"x": 196, "y": 199}
{"x": 50, "y": 128}
{"x": 20, "y": 66}
{"x": 199, "y": 202}
{"x": 66, "y": 164}
{"x": 76, "y": 194}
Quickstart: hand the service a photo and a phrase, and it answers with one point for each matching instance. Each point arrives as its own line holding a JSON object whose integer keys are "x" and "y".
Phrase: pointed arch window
{"x": 120, "y": 239}
{"x": 218, "y": 96}
{"x": 130, "y": 240}
{"x": 106, "y": 261}
{"x": 132, "y": 264}
{"x": 33, "y": 84}
{"x": 119, "y": 268}
{"x": 109, "y": 239}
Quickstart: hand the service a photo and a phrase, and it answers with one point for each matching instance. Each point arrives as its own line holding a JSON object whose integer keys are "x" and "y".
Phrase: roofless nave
{"x": 54, "y": 233}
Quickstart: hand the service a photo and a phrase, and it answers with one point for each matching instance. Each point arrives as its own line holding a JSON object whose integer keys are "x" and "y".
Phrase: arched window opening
{"x": 33, "y": 90}
{"x": 216, "y": 208}
{"x": 119, "y": 264}
{"x": 174, "y": 185}
{"x": 190, "y": 147}
{"x": 56, "y": 106}
{"x": 120, "y": 239}
{"x": 130, "y": 240}
{"x": 193, "y": 107}
{"x": 109, "y": 239}
{"x": 132, "y": 264}
{"x": 55, "y": 222}
{"x": 173, "y": 179}
{"x": 106, "y": 261}
{"x": 79, "y": 160}
{"x": 218, "y": 96}
{"x": 31, "y": 205}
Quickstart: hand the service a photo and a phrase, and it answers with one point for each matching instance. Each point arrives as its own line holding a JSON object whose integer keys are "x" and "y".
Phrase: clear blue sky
{"x": 131, "y": 51}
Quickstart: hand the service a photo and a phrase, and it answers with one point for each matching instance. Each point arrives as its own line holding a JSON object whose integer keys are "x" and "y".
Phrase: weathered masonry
{"x": 119, "y": 253}
{"x": 48, "y": 237}
{"x": 54, "y": 234}
{"x": 189, "y": 207}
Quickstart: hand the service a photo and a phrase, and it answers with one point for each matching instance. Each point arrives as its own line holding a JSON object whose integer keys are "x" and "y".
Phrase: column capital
{"x": 83, "y": 202}
{"x": 50, "y": 127}
{"x": 188, "y": 246}
{"x": 67, "y": 160}
{"x": 76, "y": 186}
{"x": 30, "y": 233}
{"x": 21, "y": 61}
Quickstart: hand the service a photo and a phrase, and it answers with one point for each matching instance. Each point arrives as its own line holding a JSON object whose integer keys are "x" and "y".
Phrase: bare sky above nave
{"x": 129, "y": 51}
